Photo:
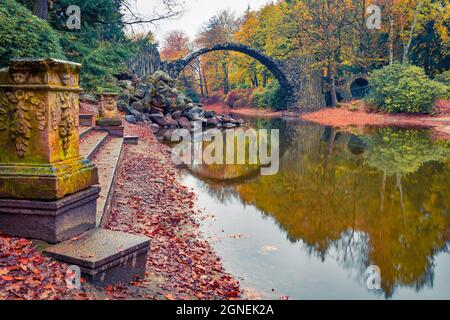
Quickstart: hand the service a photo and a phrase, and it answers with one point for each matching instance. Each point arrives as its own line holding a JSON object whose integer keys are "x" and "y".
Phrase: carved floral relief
{"x": 18, "y": 108}
{"x": 66, "y": 123}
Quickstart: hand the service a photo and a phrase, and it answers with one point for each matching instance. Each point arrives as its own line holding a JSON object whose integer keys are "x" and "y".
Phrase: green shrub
{"x": 24, "y": 35}
{"x": 102, "y": 63}
{"x": 274, "y": 97}
{"x": 404, "y": 88}
{"x": 194, "y": 96}
{"x": 444, "y": 78}
{"x": 258, "y": 99}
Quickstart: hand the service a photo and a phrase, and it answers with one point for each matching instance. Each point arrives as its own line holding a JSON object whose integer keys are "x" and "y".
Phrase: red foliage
{"x": 214, "y": 98}
{"x": 240, "y": 98}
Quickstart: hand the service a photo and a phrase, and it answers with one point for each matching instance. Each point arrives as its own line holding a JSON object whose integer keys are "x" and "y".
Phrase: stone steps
{"x": 104, "y": 256}
{"x": 107, "y": 160}
{"x": 91, "y": 143}
{"x": 84, "y": 131}
{"x": 105, "y": 151}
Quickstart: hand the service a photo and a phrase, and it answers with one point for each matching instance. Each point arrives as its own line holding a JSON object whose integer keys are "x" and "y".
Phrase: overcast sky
{"x": 197, "y": 13}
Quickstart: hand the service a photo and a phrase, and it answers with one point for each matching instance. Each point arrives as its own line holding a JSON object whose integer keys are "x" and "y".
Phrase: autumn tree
{"x": 219, "y": 29}
{"x": 175, "y": 45}
{"x": 324, "y": 29}
{"x": 264, "y": 31}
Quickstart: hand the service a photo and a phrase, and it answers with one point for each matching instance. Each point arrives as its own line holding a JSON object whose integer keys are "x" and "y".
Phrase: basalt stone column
{"x": 45, "y": 185}
{"x": 109, "y": 114}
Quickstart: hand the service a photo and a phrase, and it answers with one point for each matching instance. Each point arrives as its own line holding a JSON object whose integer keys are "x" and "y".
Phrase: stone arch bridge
{"x": 274, "y": 66}
{"x": 292, "y": 80}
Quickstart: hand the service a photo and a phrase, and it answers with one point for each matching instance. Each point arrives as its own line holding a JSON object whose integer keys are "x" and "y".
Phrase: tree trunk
{"x": 391, "y": 40}
{"x": 205, "y": 82}
{"x": 226, "y": 86}
{"x": 256, "y": 80}
{"x": 334, "y": 99}
{"x": 185, "y": 83}
{"x": 411, "y": 33}
{"x": 363, "y": 29}
{"x": 202, "y": 93}
{"x": 264, "y": 79}
{"x": 41, "y": 9}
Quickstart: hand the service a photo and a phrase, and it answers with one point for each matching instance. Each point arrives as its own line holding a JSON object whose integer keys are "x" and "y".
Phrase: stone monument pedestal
{"x": 46, "y": 188}
{"x": 50, "y": 221}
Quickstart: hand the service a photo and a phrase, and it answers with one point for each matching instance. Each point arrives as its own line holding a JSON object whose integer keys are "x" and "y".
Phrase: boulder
{"x": 125, "y": 97}
{"x": 141, "y": 91}
{"x": 209, "y": 114}
{"x": 146, "y": 117}
{"x": 213, "y": 122}
{"x": 154, "y": 127}
{"x": 182, "y": 101}
{"x": 133, "y": 99}
{"x": 131, "y": 119}
{"x": 164, "y": 89}
{"x": 138, "y": 106}
{"x": 151, "y": 92}
{"x": 157, "y": 101}
{"x": 162, "y": 76}
{"x": 172, "y": 123}
{"x": 155, "y": 110}
{"x": 122, "y": 106}
{"x": 168, "y": 106}
{"x": 159, "y": 119}
{"x": 185, "y": 123}
{"x": 125, "y": 84}
{"x": 177, "y": 115}
{"x": 228, "y": 119}
{"x": 193, "y": 113}
{"x": 135, "y": 113}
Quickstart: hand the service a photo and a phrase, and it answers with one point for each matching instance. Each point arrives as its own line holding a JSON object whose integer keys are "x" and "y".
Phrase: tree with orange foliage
{"x": 175, "y": 46}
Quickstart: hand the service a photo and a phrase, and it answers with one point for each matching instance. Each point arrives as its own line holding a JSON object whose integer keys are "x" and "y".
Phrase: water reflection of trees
{"x": 385, "y": 204}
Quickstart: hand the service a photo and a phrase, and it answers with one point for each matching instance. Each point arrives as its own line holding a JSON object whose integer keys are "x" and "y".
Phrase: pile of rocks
{"x": 158, "y": 102}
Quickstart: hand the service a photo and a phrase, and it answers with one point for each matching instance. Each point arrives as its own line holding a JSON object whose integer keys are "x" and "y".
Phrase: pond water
{"x": 340, "y": 203}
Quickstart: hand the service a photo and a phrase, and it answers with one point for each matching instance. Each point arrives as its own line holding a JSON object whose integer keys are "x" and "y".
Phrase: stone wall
{"x": 306, "y": 80}
{"x": 146, "y": 62}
